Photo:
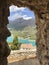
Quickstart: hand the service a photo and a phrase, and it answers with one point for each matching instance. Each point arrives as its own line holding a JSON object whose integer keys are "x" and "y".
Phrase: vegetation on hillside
{"x": 25, "y": 33}
{"x": 15, "y": 45}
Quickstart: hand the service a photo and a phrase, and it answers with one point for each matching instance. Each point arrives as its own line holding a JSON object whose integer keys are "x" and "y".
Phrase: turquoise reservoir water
{"x": 21, "y": 40}
{"x": 10, "y": 39}
{"x": 27, "y": 41}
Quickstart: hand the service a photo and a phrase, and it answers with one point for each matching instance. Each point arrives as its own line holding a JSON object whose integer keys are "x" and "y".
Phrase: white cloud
{"x": 17, "y": 15}
{"x": 27, "y": 18}
{"x": 24, "y": 16}
{"x": 15, "y": 8}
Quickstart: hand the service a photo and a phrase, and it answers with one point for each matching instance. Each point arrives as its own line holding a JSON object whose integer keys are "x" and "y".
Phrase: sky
{"x": 20, "y": 12}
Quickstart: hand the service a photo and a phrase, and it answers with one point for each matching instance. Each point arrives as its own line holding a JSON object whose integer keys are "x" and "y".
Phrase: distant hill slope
{"x": 25, "y": 32}
{"x": 20, "y": 23}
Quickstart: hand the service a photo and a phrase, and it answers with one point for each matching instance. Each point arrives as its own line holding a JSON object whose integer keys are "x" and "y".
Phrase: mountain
{"x": 20, "y": 23}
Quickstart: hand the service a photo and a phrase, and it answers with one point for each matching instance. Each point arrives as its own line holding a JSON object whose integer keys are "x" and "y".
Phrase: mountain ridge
{"x": 20, "y": 23}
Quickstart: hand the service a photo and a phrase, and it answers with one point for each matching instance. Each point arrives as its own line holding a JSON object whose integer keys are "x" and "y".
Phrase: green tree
{"x": 15, "y": 45}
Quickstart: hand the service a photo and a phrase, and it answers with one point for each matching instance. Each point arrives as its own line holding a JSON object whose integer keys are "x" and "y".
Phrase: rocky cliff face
{"x": 41, "y": 9}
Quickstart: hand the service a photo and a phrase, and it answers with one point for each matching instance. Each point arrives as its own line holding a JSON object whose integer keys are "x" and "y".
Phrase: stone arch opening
{"x": 34, "y": 27}
{"x": 20, "y": 25}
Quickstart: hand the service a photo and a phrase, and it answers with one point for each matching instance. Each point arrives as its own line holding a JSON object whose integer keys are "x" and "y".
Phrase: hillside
{"x": 25, "y": 33}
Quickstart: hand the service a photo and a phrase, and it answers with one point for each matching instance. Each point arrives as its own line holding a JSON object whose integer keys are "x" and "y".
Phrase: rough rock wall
{"x": 4, "y": 33}
{"x": 43, "y": 40}
{"x": 41, "y": 9}
{"x": 42, "y": 22}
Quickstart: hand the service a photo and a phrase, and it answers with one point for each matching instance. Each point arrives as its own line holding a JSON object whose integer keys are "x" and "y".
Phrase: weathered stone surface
{"x": 4, "y": 33}
{"x": 41, "y": 9}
